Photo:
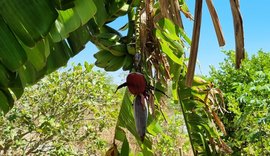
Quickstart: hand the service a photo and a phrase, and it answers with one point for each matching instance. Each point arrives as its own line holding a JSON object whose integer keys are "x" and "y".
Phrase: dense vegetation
{"x": 62, "y": 114}
{"x": 155, "y": 45}
{"x": 65, "y": 114}
{"x": 247, "y": 94}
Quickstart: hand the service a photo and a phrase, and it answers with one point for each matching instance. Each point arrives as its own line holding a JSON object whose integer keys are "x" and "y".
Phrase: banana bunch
{"x": 112, "y": 54}
{"x": 105, "y": 59}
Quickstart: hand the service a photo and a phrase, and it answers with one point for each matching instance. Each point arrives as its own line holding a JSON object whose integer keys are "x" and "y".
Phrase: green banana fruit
{"x": 100, "y": 64}
{"x": 109, "y": 36}
{"x": 128, "y": 63}
{"x": 103, "y": 43}
{"x": 115, "y": 63}
{"x": 131, "y": 49}
{"x": 108, "y": 29}
{"x": 115, "y": 48}
{"x": 103, "y": 57}
{"x": 122, "y": 11}
{"x": 118, "y": 49}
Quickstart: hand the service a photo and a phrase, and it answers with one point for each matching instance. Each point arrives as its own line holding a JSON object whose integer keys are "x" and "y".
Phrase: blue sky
{"x": 256, "y": 19}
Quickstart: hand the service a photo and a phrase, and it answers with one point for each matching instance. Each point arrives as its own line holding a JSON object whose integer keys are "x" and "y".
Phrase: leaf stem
{"x": 186, "y": 123}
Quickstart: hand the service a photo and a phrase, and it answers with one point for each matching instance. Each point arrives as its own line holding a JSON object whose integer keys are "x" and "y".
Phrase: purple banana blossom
{"x": 140, "y": 114}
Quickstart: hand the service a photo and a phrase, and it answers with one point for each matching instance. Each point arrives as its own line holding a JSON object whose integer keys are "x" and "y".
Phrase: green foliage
{"x": 32, "y": 49}
{"x": 246, "y": 93}
{"x": 201, "y": 102}
{"x": 75, "y": 111}
{"x": 174, "y": 137}
{"x": 66, "y": 113}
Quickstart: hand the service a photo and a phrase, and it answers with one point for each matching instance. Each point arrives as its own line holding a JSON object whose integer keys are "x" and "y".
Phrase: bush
{"x": 247, "y": 94}
{"x": 66, "y": 113}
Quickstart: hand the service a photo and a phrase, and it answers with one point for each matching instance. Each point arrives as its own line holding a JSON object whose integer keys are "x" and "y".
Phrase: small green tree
{"x": 247, "y": 93}
{"x": 65, "y": 113}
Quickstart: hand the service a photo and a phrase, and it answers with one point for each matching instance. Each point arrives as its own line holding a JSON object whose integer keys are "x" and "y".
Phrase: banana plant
{"x": 37, "y": 37}
{"x": 200, "y": 101}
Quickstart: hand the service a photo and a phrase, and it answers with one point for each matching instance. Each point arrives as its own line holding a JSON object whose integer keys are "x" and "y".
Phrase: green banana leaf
{"x": 12, "y": 54}
{"x": 30, "y": 20}
{"x": 71, "y": 19}
{"x": 33, "y": 40}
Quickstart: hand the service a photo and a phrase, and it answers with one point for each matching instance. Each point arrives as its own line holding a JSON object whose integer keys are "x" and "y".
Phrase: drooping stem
{"x": 195, "y": 43}
{"x": 238, "y": 32}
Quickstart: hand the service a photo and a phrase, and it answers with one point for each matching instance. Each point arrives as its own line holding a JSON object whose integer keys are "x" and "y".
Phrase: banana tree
{"x": 38, "y": 37}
